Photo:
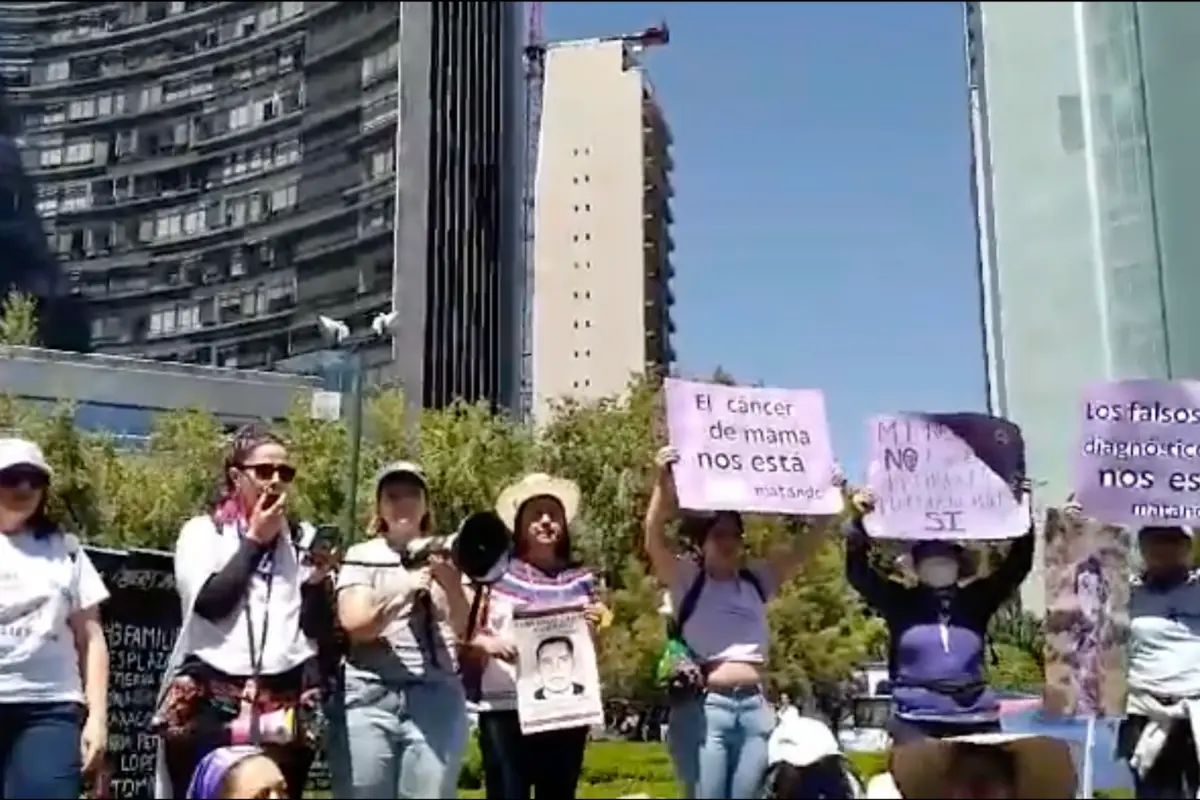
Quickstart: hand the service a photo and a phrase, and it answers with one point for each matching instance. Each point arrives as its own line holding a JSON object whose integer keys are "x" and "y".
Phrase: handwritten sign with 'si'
{"x": 945, "y": 476}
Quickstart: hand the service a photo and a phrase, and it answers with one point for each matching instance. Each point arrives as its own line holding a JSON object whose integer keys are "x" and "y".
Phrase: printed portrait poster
{"x": 1087, "y": 616}
{"x": 751, "y": 449}
{"x": 558, "y": 683}
{"x": 1137, "y": 459}
{"x": 945, "y": 476}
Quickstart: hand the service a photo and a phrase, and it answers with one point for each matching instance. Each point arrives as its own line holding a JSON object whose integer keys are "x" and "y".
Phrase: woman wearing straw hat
{"x": 539, "y": 510}
{"x": 985, "y": 766}
{"x": 720, "y": 721}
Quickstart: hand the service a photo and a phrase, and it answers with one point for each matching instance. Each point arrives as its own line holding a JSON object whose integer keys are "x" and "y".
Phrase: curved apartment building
{"x": 216, "y": 174}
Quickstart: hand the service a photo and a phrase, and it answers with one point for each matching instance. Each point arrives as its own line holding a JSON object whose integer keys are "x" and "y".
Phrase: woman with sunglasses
{"x": 255, "y": 605}
{"x": 53, "y": 657}
{"x": 719, "y": 728}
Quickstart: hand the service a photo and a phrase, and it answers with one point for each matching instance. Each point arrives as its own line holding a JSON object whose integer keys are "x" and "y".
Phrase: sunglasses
{"x": 265, "y": 472}
{"x": 23, "y": 476}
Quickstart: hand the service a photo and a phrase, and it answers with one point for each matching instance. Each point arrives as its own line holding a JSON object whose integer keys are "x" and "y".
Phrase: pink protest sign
{"x": 945, "y": 476}
{"x": 751, "y": 449}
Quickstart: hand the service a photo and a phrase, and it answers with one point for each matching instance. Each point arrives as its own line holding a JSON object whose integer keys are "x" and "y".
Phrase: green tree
{"x": 120, "y": 497}
{"x": 18, "y": 320}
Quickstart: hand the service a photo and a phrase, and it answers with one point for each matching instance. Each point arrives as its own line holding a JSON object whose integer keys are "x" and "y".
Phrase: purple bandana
{"x": 214, "y": 767}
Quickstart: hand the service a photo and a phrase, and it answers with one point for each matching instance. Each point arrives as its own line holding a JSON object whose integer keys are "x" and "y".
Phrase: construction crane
{"x": 535, "y": 79}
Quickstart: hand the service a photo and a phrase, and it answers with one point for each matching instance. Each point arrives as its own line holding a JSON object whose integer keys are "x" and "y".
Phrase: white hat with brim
{"x": 397, "y": 469}
{"x": 1044, "y": 765}
{"x": 537, "y": 484}
{"x": 23, "y": 453}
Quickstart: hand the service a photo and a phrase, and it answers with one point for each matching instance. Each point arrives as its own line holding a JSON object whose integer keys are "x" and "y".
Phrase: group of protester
{"x": 287, "y": 648}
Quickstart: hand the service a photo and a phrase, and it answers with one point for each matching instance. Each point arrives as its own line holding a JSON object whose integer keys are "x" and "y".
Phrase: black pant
{"x": 1175, "y": 772}
{"x": 514, "y": 763}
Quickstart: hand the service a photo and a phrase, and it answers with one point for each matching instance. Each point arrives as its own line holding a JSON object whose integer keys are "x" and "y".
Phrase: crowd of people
{"x": 288, "y": 648}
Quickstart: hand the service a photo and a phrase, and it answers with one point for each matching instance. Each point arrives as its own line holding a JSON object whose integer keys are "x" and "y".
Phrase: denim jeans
{"x": 407, "y": 740}
{"x": 718, "y": 743}
{"x": 39, "y": 750}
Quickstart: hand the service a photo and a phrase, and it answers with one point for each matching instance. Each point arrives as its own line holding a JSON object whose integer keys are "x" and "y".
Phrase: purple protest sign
{"x": 945, "y": 476}
{"x": 751, "y": 449}
{"x": 1137, "y": 459}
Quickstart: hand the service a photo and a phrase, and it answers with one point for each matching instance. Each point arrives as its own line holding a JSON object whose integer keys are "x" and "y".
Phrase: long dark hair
{"x": 245, "y": 441}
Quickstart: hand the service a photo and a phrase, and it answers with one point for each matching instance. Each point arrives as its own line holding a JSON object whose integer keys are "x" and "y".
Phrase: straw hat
{"x": 537, "y": 484}
{"x": 1044, "y": 765}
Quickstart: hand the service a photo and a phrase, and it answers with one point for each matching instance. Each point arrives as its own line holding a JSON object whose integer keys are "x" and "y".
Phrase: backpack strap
{"x": 687, "y": 606}
{"x": 747, "y": 574}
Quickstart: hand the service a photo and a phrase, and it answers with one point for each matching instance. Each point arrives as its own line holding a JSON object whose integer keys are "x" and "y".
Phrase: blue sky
{"x": 823, "y": 216}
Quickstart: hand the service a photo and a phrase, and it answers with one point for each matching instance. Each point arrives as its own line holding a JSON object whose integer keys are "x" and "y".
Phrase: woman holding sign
{"x": 1158, "y": 735}
{"x": 541, "y": 575}
{"x": 937, "y": 629}
{"x": 720, "y": 719}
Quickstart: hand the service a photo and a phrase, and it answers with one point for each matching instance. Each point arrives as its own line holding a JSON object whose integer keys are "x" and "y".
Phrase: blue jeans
{"x": 408, "y": 740}
{"x": 719, "y": 743}
{"x": 39, "y": 750}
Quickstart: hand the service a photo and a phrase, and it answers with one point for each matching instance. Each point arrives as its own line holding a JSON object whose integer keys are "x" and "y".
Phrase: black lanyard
{"x": 257, "y": 651}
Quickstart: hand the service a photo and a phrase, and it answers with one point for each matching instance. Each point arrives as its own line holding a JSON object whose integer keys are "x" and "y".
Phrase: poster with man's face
{"x": 558, "y": 685}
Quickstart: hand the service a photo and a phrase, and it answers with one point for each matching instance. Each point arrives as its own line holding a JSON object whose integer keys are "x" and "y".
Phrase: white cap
{"x": 398, "y": 468}
{"x": 800, "y": 741}
{"x": 22, "y": 452}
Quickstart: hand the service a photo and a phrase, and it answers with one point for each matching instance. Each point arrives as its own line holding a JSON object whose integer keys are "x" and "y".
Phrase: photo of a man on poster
{"x": 556, "y": 669}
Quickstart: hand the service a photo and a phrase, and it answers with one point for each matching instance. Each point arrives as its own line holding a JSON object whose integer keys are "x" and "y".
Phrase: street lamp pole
{"x": 338, "y": 334}
{"x": 354, "y": 445}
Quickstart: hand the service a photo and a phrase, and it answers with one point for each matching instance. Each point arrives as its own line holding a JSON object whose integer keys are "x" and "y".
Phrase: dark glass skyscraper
{"x": 217, "y": 174}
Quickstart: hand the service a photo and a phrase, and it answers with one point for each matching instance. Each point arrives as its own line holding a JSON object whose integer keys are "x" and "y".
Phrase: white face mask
{"x": 938, "y": 571}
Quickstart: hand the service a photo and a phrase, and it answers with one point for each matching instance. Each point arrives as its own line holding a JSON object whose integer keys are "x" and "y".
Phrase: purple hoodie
{"x": 937, "y": 636}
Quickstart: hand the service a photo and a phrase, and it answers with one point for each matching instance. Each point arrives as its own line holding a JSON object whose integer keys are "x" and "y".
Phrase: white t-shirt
{"x": 412, "y": 645}
{"x": 41, "y": 585}
{"x": 272, "y": 602}
{"x": 1164, "y": 639}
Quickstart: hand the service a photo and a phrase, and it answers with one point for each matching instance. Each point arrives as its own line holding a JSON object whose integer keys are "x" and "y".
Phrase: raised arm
{"x": 810, "y": 533}
{"x": 997, "y": 587}
{"x": 878, "y": 592}
{"x": 660, "y": 511}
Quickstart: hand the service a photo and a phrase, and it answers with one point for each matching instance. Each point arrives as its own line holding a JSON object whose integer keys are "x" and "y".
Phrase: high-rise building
{"x": 1086, "y": 178}
{"x": 602, "y": 254}
{"x": 28, "y": 266}
{"x": 217, "y": 174}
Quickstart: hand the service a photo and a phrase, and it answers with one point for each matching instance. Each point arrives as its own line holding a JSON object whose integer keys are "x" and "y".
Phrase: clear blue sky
{"x": 823, "y": 216}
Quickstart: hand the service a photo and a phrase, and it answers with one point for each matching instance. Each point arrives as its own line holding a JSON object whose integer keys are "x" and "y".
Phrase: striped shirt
{"x": 525, "y": 587}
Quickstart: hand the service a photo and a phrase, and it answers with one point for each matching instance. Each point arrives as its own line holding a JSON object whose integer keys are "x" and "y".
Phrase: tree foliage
{"x": 125, "y": 497}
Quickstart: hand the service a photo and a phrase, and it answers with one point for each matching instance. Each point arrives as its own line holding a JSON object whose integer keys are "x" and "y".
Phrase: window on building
{"x": 81, "y": 152}
{"x": 82, "y": 109}
{"x": 58, "y": 71}
{"x": 50, "y": 157}
{"x": 1070, "y": 122}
